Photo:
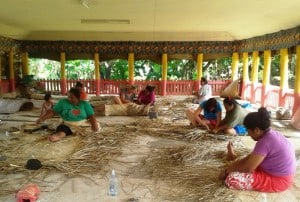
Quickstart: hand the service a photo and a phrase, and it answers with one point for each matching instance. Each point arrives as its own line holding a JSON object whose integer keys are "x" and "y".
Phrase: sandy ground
{"x": 140, "y": 147}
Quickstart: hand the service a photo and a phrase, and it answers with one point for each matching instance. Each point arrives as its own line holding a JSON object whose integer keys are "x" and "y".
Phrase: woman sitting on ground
{"x": 211, "y": 117}
{"x": 73, "y": 111}
{"x": 127, "y": 95}
{"x": 234, "y": 117}
{"x": 146, "y": 96}
{"x": 270, "y": 167}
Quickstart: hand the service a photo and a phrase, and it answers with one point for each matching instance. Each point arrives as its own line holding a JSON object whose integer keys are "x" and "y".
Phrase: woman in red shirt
{"x": 146, "y": 96}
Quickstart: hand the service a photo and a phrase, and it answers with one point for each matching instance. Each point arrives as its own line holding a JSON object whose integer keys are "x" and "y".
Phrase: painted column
{"x": 284, "y": 61}
{"x": 245, "y": 77}
{"x": 63, "y": 80}
{"x": 164, "y": 74}
{"x": 1, "y": 90}
{"x": 254, "y": 75}
{"x": 131, "y": 68}
{"x": 199, "y": 71}
{"x": 234, "y": 66}
{"x": 97, "y": 73}
{"x": 25, "y": 67}
{"x": 11, "y": 72}
{"x": 297, "y": 81}
{"x": 266, "y": 76}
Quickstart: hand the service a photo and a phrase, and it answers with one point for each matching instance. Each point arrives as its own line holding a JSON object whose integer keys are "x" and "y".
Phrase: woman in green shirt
{"x": 74, "y": 112}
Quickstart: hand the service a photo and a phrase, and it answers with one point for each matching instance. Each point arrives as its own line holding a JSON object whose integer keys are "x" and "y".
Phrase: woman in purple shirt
{"x": 272, "y": 164}
{"x": 146, "y": 96}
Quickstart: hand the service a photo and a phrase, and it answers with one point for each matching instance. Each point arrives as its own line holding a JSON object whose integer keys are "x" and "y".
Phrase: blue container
{"x": 240, "y": 130}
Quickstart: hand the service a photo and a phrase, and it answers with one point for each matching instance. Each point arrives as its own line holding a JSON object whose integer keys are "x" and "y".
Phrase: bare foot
{"x": 231, "y": 154}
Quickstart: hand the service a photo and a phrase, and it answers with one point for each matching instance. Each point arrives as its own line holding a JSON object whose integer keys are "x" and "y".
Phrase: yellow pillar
{"x": 234, "y": 66}
{"x": 131, "y": 67}
{"x": 297, "y": 81}
{"x": 164, "y": 66}
{"x": 25, "y": 68}
{"x": 245, "y": 75}
{"x": 199, "y": 71}
{"x": 254, "y": 75}
{"x": 164, "y": 73}
{"x": 297, "y": 71}
{"x": 266, "y": 76}
{"x": 284, "y": 60}
{"x": 199, "y": 66}
{"x": 245, "y": 67}
{"x": 255, "y": 63}
{"x": 267, "y": 68}
{"x": 97, "y": 73}
{"x": 11, "y": 71}
{"x": 1, "y": 90}
{"x": 63, "y": 80}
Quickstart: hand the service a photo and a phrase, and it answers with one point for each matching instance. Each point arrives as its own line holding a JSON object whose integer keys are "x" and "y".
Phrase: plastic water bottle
{"x": 263, "y": 197}
{"x": 113, "y": 184}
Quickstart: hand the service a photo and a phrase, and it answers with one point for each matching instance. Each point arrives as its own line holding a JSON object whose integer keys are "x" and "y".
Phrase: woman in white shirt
{"x": 204, "y": 93}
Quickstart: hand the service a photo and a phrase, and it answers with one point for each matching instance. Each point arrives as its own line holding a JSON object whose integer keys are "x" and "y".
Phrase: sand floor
{"x": 155, "y": 160}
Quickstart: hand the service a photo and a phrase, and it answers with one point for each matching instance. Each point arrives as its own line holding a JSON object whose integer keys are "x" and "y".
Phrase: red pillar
{"x": 296, "y": 102}
{"x": 263, "y": 95}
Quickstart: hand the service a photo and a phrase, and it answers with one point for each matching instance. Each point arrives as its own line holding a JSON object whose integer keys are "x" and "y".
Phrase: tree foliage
{"x": 182, "y": 69}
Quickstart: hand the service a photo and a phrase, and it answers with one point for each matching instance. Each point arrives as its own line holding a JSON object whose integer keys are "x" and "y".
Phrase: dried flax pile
{"x": 183, "y": 163}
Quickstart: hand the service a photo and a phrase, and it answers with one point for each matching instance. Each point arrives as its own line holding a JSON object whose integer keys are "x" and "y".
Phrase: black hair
{"x": 150, "y": 88}
{"x": 230, "y": 101}
{"x": 203, "y": 79}
{"x": 259, "y": 119}
{"x": 75, "y": 92}
{"x": 47, "y": 96}
{"x": 211, "y": 102}
{"x": 79, "y": 84}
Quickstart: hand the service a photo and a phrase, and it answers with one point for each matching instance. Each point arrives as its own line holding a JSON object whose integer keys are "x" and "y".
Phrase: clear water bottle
{"x": 113, "y": 184}
{"x": 263, "y": 197}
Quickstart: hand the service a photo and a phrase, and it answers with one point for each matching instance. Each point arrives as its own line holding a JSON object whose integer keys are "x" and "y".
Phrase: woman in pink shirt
{"x": 146, "y": 96}
{"x": 270, "y": 167}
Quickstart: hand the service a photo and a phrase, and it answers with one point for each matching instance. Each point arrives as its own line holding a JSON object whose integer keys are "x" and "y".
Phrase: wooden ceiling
{"x": 145, "y": 20}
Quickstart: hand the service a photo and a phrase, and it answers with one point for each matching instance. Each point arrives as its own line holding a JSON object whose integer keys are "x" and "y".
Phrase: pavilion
{"x": 159, "y": 31}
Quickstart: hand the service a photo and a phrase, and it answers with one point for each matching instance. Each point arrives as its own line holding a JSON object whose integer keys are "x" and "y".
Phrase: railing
{"x": 272, "y": 96}
{"x": 247, "y": 91}
{"x": 180, "y": 87}
{"x": 257, "y": 93}
{"x": 218, "y": 86}
{"x": 289, "y": 98}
